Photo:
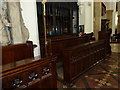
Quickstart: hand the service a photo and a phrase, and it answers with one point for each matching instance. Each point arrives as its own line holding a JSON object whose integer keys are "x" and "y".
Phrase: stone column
{"x": 97, "y": 18}
{"x": 81, "y": 13}
{"x": 86, "y": 14}
{"x": 109, "y": 14}
{"x": 118, "y": 26}
{"x": 15, "y": 20}
{"x": 19, "y": 31}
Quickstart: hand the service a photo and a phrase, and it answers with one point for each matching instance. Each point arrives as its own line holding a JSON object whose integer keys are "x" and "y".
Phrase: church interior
{"x": 59, "y": 44}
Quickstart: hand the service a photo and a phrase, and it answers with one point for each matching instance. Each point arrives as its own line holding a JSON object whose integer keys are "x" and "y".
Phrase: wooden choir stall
{"x": 77, "y": 53}
{"x": 80, "y": 58}
{"x": 20, "y": 69}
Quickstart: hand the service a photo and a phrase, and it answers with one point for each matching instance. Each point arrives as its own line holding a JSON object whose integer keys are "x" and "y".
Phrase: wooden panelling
{"x": 35, "y": 74}
{"x": 105, "y": 35}
{"x": 21, "y": 69}
{"x": 59, "y": 44}
{"x": 79, "y": 58}
{"x": 17, "y": 52}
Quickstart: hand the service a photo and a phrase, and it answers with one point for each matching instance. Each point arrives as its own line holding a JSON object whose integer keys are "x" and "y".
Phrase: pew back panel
{"x": 40, "y": 73}
{"x": 79, "y": 58}
{"x": 59, "y": 44}
{"x": 17, "y": 52}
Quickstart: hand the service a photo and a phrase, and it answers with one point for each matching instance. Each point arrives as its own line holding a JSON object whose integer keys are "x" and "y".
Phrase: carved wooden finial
{"x": 44, "y": 1}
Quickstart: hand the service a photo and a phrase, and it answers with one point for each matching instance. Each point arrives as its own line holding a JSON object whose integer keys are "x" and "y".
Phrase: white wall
{"x": 29, "y": 14}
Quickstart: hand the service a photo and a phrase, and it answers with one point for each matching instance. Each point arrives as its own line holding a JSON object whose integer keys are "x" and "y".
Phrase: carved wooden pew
{"x": 25, "y": 71}
{"x": 17, "y": 52}
{"x": 59, "y": 44}
{"x": 105, "y": 35}
{"x": 79, "y": 58}
{"x": 29, "y": 73}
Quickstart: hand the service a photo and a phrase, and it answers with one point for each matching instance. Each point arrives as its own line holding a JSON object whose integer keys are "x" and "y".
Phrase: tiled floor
{"x": 115, "y": 47}
{"x": 104, "y": 75}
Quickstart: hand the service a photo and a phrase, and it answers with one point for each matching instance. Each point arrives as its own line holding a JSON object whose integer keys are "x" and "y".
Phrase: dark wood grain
{"x": 105, "y": 35}
{"x": 57, "y": 45}
{"x": 79, "y": 58}
{"x": 17, "y": 52}
{"x": 19, "y": 63}
{"x": 23, "y": 72}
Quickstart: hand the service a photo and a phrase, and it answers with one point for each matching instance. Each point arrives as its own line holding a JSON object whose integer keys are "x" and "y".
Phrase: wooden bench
{"x": 79, "y": 58}
{"x": 29, "y": 73}
{"x": 21, "y": 69}
{"x": 57, "y": 45}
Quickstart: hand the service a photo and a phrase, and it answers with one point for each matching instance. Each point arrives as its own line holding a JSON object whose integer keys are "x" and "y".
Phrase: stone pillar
{"x": 89, "y": 17}
{"x": 118, "y": 26}
{"x": 97, "y": 19}
{"x": 19, "y": 31}
{"x": 15, "y": 20}
{"x": 109, "y": 14}
{"x": 81, "y": 13}
{"x": 86, "y": 14}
